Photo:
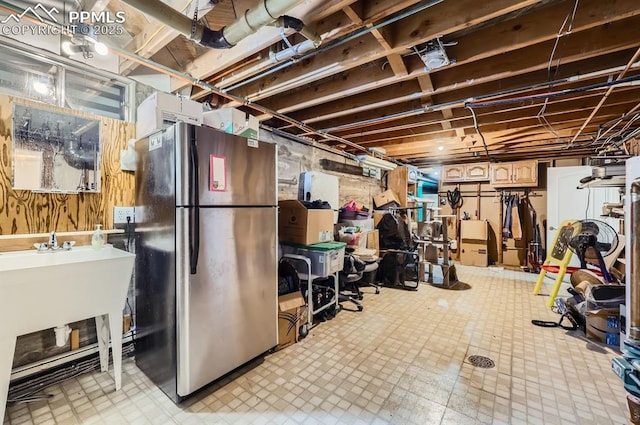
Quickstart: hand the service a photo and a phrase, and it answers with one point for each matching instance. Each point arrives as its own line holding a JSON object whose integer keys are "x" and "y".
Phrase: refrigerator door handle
{"x": 194, "y": 195}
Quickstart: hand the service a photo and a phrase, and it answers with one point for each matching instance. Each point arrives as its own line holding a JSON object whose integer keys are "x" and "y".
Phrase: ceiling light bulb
{"x": 101, "y": 48}
{"x": 440, "y": 148}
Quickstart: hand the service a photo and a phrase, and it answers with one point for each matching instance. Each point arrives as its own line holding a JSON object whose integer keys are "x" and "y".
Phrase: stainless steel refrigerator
{"x": 206, "y": 255}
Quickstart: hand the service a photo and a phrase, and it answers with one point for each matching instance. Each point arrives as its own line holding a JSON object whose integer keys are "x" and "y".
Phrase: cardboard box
{"x": 291, "y": 313}
{"x": 160, "y": 110}
{"x": 604, "y": 325}
{"x": 474, "y": 230}
{"x": 232, "y": 121}
{"x": 513, "y": 257}
{"x": 377, "y": 216}
{"x": 472, "y": 254}
{"x": 373, "y": 241}
{"x": 385, "y": 199}
{"x": 297, "y": 224}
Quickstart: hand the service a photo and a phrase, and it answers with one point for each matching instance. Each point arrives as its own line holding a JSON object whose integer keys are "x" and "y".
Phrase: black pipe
{"x": 291, "y": 22}
{"x": 214, "y": 39}
{"x": 566, "y": 92}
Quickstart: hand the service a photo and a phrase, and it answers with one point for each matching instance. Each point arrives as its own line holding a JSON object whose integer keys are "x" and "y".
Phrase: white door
{"x": 566, "y": 202}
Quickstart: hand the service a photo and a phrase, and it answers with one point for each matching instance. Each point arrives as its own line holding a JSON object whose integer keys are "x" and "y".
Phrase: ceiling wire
{"x": 632, "y": 118}
{"x": 477, "y": 127}
{"x": 605, "y": 96}
{"x": 568, "y": 20}
{"x": 610, "y": 125}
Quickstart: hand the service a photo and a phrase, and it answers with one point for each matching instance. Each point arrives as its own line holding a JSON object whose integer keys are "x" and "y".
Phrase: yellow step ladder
{"x": 559, "y": 255}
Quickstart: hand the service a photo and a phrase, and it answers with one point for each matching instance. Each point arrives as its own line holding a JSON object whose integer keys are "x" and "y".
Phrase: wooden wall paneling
{"x": 24, "y": 212}
{"x": 490, "y": 207}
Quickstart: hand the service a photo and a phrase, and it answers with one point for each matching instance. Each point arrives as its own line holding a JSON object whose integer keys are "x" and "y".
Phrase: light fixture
{"x": 372, "y": 161}
{"x": 440, "y": 148}
{"x": 84, "y": 47}
{"x": 70, "y": 49}
{"x": 433, "y": 54}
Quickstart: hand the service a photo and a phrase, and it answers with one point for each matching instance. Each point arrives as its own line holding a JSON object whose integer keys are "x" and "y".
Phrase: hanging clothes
{"x": 512, "y": 224}
{"x": 536, "y": 250}
{"x": 516, "y": 224}
{"x": 455, "y": 199}
{"x": 506, "y": 224}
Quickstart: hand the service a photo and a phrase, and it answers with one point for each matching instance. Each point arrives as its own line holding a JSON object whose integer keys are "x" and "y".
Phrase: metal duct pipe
{"x": 80, "y": 155}
{"x": 634, "y": 285}
{"x": 251, "y": 21}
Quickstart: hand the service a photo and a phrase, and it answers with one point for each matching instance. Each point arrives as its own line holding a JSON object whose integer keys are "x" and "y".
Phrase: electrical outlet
{"x": 120, "y": 215}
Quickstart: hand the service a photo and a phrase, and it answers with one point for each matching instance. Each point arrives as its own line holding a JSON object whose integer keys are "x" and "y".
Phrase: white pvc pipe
{"x": 292, "y": 51}
{"x": 62, "y": 335}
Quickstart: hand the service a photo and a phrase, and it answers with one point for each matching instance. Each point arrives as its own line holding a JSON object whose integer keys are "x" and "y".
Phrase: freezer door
{"x": 245, "y": 175}
{"x": 227, "y": 311}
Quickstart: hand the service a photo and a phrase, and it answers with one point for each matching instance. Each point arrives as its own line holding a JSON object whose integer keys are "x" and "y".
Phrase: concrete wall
{"x": 295, "y": 158}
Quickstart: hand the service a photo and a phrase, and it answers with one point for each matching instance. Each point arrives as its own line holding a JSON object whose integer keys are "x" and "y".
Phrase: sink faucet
{"x": 53, "y": 241}
{"x": 52, "y": 244}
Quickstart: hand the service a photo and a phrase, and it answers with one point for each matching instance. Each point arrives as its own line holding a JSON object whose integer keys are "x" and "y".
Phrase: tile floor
{"x": 400, "y": 361}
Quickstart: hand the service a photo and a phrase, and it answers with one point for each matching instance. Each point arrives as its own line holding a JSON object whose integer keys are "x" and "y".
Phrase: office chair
{"x": 351, "y": 274}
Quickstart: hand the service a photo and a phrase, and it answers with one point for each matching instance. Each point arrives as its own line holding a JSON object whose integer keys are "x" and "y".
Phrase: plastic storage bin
{"x": 326, "y": 258}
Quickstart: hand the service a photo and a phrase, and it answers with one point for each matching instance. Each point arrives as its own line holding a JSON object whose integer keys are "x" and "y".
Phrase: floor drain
{"x": 481, "y": 361}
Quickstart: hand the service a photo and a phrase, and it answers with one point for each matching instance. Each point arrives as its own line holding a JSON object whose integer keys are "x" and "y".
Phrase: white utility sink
{"x": 41, "y": 290}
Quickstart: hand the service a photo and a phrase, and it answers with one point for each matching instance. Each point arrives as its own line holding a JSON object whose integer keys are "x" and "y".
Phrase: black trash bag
{"x": 288, "y": 280}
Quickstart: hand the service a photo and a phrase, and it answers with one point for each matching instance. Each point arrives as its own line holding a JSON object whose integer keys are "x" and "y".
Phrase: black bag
{"x": 288, "y": 280}
{"x": 318, "y": 204}
{"x": 322, "y": 293}
{"x": 394, "y": 233}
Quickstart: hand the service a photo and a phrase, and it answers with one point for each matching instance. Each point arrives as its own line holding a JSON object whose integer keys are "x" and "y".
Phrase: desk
{"x": 44, "y": 290}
